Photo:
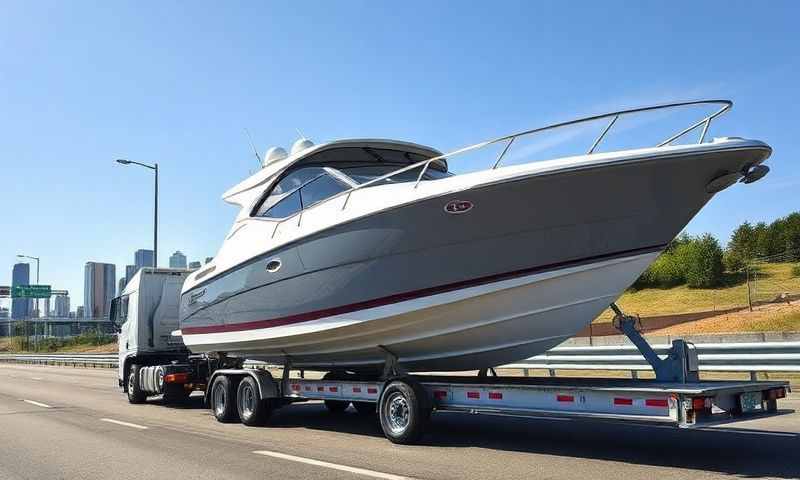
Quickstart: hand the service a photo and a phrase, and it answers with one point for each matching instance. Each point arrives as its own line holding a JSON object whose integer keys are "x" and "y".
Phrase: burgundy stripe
{"x": 400, "y": 297}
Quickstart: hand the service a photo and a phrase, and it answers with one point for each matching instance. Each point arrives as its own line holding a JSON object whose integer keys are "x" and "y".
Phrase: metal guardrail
{"x": 713, "y": 357}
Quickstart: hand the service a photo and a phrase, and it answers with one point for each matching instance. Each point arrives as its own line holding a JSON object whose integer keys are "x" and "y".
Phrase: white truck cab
{"x": 146, "y": 312}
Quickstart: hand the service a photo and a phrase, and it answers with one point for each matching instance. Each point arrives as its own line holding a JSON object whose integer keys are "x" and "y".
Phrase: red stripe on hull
{"x": 401, "y": 297}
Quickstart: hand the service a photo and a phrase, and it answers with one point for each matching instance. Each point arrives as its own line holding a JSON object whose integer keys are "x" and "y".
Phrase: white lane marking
{"x": 334, "y": 466}
{"x": 124, "y": 424}
{"x": 38, "y": 404}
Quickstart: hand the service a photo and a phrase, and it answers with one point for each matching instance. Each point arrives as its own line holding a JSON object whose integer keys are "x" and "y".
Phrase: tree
{"x": 702, "y": 259}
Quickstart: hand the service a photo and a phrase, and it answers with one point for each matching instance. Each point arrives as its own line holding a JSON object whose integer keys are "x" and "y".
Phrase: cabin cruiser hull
{"x": 525, "y": 262}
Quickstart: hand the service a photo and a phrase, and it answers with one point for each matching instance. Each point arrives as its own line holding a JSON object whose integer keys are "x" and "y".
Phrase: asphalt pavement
{"x": 74, "y": 423}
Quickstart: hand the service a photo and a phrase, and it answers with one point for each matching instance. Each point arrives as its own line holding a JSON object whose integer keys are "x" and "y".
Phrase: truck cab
{"x": 146, "y": 314}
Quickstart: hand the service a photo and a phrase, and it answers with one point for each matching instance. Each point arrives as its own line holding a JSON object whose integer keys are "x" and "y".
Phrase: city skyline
{"x": 457, "y": 89}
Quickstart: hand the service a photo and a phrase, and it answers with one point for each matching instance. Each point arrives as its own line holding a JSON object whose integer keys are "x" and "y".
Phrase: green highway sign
{"x": 31, "y": 291}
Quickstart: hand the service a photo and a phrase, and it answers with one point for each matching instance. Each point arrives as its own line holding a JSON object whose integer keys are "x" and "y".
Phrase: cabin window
{"x": 285, "y": 207}
{"x": 319, "y": 189}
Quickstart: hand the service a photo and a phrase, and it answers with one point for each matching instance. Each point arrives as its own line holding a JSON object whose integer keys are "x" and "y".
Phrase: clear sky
{"x": 83, "y": 83}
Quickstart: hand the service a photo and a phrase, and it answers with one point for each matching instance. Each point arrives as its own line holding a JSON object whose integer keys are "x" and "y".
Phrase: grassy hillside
{"x": 771, "y": 280}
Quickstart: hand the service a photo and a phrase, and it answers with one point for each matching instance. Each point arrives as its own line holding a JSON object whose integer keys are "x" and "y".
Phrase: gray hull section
{"x": 525, "y": 224}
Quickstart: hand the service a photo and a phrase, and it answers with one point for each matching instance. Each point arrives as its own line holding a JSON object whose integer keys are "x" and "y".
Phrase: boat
{"x": 354, "y": 253}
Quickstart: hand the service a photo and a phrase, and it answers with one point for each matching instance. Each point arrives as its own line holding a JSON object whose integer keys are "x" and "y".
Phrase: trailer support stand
{"x": 681, "y": 364}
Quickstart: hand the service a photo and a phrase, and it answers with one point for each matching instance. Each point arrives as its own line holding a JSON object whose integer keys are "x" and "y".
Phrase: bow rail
{"x": 705, "y": 122}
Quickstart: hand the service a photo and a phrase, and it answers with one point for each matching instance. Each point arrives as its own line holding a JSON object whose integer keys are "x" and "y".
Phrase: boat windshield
{"x": 365, "y": 173}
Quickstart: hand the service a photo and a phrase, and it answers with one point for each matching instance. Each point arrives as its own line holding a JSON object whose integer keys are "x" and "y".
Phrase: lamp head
{"x": 123, "y": 161}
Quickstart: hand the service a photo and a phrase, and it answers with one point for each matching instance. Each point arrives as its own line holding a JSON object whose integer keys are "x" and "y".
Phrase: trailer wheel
{"x": 135, "y": 393}
{"x": 253, "y": 411}
{"x": 223, "y": 404}
{"x": 336, "y": 406}
{"x": 403, "y": 418}
{"x": 365, "y": 408}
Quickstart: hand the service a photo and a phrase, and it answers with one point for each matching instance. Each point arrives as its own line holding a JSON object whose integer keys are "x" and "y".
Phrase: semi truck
{"x": 153, "y": 361}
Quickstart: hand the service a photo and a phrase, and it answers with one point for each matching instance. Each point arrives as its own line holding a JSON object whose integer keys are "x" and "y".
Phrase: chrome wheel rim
{"x": 398, "y": 413}
{"x": 247, "y": 400}
{"x": 130, "y": 383}
{"x": 219, "y": 399}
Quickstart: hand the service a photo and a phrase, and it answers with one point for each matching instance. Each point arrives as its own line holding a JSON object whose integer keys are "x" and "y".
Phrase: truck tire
{"x": 252, "y": 410}
{"x": 223, "y": 400}
{"x": 175, "y": 394}
{"x": 402, "y": 415}
{"x": 135, "y": 393}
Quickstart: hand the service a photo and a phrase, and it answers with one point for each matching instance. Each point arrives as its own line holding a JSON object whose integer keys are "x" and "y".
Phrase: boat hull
{"x": 432, "y": 287}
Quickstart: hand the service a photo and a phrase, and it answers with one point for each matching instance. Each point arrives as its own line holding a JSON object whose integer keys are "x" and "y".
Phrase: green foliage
{"x": 796, "y": 270}
{"x": 778, "y": 241}
{"x": 702, "y": 259}
{"x": 20, "y": 342}
{"x": 695, "y": 261}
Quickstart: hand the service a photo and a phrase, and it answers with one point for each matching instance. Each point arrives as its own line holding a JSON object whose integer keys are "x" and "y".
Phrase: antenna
{"x": 258, "y": 157}
{"x": 300, "y": 133}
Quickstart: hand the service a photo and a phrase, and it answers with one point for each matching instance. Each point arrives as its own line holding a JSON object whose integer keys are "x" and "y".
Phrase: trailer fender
{"x": 425, "y": 399}
{"x": 267, "y": 387}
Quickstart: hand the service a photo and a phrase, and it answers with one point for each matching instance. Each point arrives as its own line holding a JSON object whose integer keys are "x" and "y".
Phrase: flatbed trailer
{"x": 152, "y": 363}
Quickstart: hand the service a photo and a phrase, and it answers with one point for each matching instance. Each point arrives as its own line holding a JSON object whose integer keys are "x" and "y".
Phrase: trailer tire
{"x": 402, "y": 413}
{"x": 365, "y": 408}
{"x": 135, "y": 393}
{"x": 252, "y": 410}
{"x": 223, "y": 400}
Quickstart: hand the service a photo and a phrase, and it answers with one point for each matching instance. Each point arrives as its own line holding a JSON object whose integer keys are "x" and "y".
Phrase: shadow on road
{"x": 741, "y": 452}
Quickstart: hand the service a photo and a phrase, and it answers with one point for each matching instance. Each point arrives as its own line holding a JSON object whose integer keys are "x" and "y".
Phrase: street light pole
{"x": 154, "y": 168}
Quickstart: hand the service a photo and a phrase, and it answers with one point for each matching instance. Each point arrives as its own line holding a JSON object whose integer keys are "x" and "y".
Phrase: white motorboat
{"x": 349, "y": 252}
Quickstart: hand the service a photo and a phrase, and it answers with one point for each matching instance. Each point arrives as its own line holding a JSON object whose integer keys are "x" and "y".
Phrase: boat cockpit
{"x": 324, "y": 174}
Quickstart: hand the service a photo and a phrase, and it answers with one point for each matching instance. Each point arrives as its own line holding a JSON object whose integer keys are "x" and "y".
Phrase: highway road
{"x": 73, "y": 423}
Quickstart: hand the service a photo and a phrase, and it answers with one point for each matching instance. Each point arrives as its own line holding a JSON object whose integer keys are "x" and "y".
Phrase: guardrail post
{"x": 753, "y": 376}
{"x": 552, "y": 372}
{"x": 634, "y": 374}
{"x": 526, "y": 372}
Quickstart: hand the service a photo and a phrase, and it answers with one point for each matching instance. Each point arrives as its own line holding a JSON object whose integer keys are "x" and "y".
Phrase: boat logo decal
{"x": 458, "y": 206}
{"x": 194, "y": 296}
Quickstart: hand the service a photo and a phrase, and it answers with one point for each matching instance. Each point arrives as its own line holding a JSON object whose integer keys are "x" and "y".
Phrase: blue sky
{"x": 83, "y": 83}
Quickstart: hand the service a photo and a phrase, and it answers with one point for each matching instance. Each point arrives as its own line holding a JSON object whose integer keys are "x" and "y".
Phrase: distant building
{"x": 61, "y": 306}
{"x": 99, "y": 285}
{"x": 130, "y": 271}
{"x": 142, "y": 258}
{"x": 79, "y": 312}
{"x": 194, "y": 265}
{"x": 208, "y": 259}
{"x": 122, "y": 282}
{"x": 177, "y": 260}
{"x": 4, "y": 313}
{"x": 21, "y": 307}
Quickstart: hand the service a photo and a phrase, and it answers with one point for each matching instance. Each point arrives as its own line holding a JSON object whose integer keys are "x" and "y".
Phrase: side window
{"x": 283, "y": 188}
{"x": 285, "y": 207}
{"x": 123, "y": 311}
{"x": 319, "y": 189}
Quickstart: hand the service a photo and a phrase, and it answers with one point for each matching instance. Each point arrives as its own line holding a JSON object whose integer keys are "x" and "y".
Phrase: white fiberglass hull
{"x": 471, "y": 328}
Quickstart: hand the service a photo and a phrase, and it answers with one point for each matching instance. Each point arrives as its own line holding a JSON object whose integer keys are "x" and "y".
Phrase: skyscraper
{"x": 130, "y": 271}
{"x": 21, "y": 275}
{"x": 122, "y": 282}
{"x": 61, "y": 306}
{"x": 177, "y": 260}
{"x": 194, "y": 265}
{"x": 99, "y": 285}
{"x": 208, "y": 259}
{"x": 142, "y": 258}
{"x": 79, "y": 312}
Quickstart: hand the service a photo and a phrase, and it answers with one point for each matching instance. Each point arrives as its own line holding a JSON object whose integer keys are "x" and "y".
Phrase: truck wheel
{"x": 135, "y": 393}
{"x": 403, "y": 418}
{"x": 253, "y": 411}
{"x": 223, "y": 403}
{"x": 175, "y": 394}
{"x": 365, "y": 408}
{"x": 336, "y": 406}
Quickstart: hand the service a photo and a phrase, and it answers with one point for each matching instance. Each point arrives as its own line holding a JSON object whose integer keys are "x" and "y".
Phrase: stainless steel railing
{"x": 509, "y": 140}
